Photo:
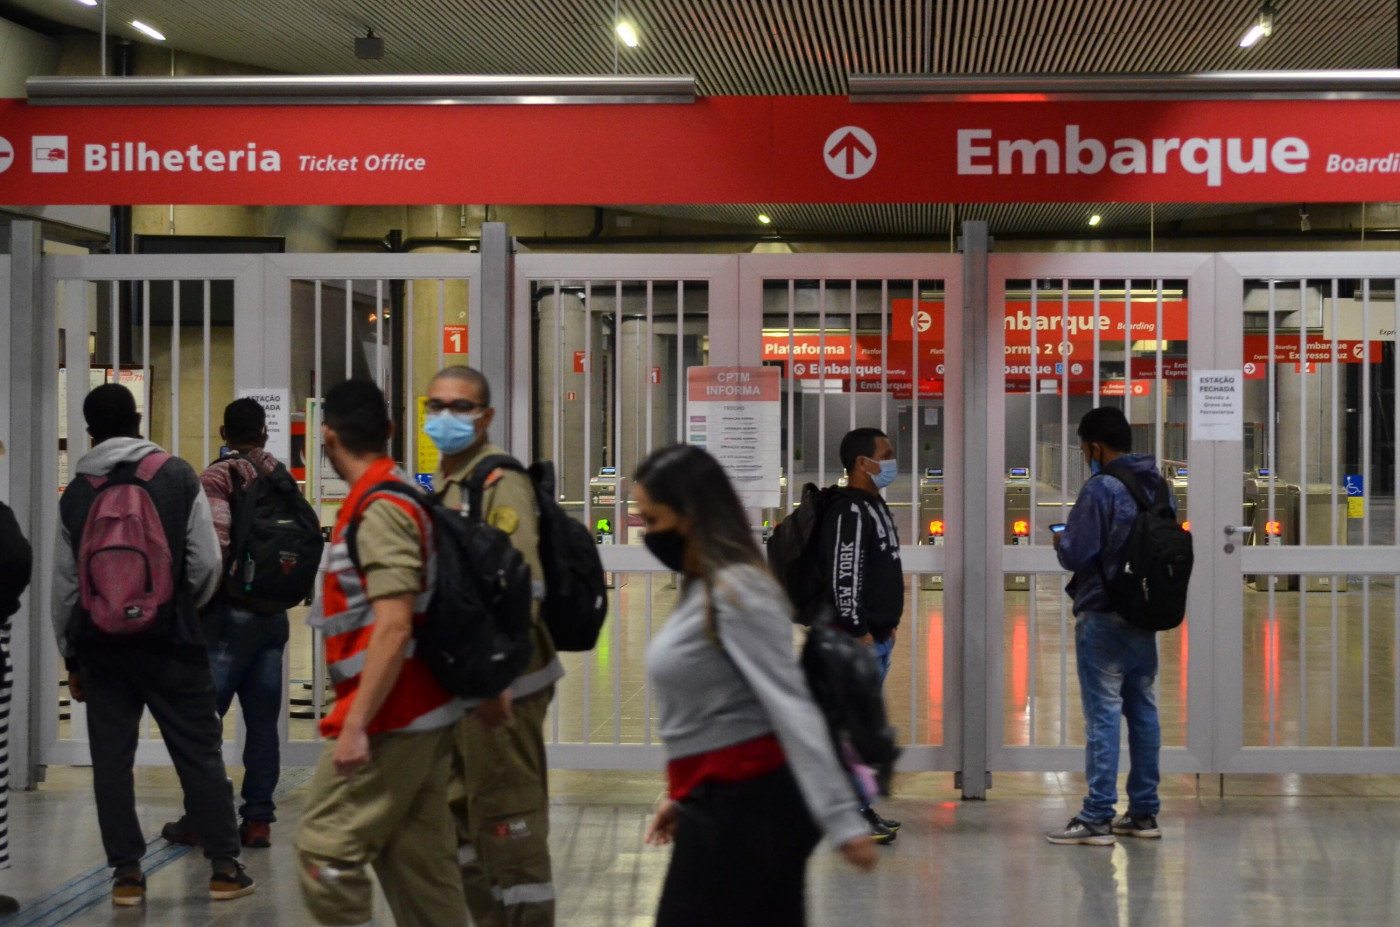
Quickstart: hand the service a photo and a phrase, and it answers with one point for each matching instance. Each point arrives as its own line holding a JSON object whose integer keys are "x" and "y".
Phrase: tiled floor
{"x": 1275, "y": 851}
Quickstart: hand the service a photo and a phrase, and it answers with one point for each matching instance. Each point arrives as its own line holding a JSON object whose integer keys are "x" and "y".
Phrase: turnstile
{"x": 1018, "y": 521}
{"x": 931, "y": 508}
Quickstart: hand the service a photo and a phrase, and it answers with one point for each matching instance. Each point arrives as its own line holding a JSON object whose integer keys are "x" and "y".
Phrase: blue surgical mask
{"x": 1095, "y": 468}
{"x": 452, "y": 433}
{"x": 889, "y": 469}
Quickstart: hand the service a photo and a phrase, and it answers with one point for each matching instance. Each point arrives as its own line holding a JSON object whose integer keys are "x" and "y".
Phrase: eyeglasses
{"x": 457, "y": 406}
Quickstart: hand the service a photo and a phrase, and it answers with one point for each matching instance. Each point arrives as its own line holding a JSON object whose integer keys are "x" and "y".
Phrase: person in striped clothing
{"x": 16, "y": 565}
{"x": 379, "y": 794}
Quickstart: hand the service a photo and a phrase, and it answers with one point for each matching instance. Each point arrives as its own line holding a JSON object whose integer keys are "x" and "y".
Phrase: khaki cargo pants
{"x": 500, "y": 800}
{"x": 391, "y": 814}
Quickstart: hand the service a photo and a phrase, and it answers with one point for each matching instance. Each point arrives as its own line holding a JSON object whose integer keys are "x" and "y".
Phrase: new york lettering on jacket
{"x": 861, "y": 554}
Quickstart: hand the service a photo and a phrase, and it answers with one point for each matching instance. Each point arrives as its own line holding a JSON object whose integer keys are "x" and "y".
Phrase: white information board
{"x": 735, "y": 413}
{"x": 277, "y": 403}
{"x": 1217, "y": 405}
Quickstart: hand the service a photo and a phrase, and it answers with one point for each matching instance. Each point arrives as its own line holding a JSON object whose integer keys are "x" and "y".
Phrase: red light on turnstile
{"x": 935, "y": 529}
{"x": 1273, "y": 528}
{"x": 1185, "y": 526}
{"x": 1021, "y": 529}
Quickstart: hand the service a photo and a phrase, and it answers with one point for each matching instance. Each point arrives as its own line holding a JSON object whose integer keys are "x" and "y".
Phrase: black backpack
{"x": 1149, "y": 592}
{"x": 575, "y": 603}
{"x": 475, "y": 637}
{"x": 794, "y": 553}
{"x": 275, "y": 543}
{"x": 844, "y": 677}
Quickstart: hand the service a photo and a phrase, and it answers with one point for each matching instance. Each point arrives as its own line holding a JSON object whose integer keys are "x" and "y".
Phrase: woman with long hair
{"x": 754, "y": 780}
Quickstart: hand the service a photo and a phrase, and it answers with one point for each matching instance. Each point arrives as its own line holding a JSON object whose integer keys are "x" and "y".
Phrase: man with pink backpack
{"x": 136, "y": 557}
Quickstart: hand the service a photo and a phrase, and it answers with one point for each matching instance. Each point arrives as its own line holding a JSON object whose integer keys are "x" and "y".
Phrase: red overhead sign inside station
{"x": 788, "y": 149}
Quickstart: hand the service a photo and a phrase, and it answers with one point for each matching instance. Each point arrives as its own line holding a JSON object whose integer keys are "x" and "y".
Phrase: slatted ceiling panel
{"x": 762, "y": 46}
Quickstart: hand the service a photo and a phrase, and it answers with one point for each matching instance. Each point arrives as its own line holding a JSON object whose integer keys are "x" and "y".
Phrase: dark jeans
{"x": 740, "y": 856}
{"x": 1117, "y": 667}
{"x": 245, "y": 655}
{"x": 117, "y": 684}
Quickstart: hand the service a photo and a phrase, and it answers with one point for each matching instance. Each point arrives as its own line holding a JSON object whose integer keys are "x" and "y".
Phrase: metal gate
{"x": 1296, "y": 624}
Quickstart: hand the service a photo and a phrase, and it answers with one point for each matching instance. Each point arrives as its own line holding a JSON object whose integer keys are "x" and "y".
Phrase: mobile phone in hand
{"x": 1058, "y": 528}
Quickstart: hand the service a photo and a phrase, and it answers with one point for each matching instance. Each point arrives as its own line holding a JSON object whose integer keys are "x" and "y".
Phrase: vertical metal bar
{"x": 1034, "y": 470}
{"x": 1128, "y": 355}
{"x": 1271, "y": 455}
{"x": 1064, "y": 414}
{"x": 587, "y": 467}
{"x": 177, "y": 308}
{"x": 680, "y": 361}
{"x": 1302, "y": 509}
{"x": 114, "y": 324}
{"x": 208, "y": 323}
{"x": 855, "y": 354}
{"x": 1335, "y": 645}
{"x": 557, "y": 426}
{"x": 1098, "y": 338}
{"x": 1366, "y": 361}
{"x": 1159, "y": 399}
{"x": 146, "y": 349}
{"x": 442, "y": 324}
{"x": 379, "y": 337}
{"x": 646, "y": 380}
{"x": 1366, "y": 657}
{"x": 916, "y": 506}
{"x": 885, "y": 321}
{"x": 619, "y": 513}
{"x": 821, "y": 382}
{"x": 1032, "y": 658}
{"x": 410, "y": 391}
{"x": 914, "y": 661}
{"x": 1338, "y": 409}
{"x": 646, "y": 678}
{"x": 349, "y": 329}
{"x": 793, "y": 431}
{"x": 315, "y": 460}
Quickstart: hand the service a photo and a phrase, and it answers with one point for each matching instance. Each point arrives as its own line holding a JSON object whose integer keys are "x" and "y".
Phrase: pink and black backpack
{"x": 126, "y": 574}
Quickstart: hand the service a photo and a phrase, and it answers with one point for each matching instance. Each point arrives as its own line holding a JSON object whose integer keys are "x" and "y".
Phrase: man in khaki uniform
{"x": 500, "y": 792}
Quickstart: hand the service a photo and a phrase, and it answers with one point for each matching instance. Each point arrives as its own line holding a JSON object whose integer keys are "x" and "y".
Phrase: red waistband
{"x": 736, "y": 763}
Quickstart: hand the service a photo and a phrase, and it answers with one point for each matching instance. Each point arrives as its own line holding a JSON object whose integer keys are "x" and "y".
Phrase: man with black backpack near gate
{"x": 271, "y": 543}
{"x": 136, "y": 556}
{"x": 499, "y": 794}
{"x": 1116, "y": 653}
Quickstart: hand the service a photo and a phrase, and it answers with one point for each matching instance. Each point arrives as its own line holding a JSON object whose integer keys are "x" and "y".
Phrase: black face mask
{"x": 668, "y": 547}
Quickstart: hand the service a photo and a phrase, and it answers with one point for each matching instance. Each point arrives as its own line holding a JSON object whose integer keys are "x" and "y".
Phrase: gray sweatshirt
{"x": 708, "y": 698}
{"x": 203, "y": 560}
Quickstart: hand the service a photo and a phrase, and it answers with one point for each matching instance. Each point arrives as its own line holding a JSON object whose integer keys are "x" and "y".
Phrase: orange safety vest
{"x": 345, "y": 615}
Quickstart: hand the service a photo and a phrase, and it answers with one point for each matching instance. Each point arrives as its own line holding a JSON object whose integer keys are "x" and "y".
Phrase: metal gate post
{"x": 971, "y": 581}
{"x": 490, "y": 328}
{"x": 29, "y": 429}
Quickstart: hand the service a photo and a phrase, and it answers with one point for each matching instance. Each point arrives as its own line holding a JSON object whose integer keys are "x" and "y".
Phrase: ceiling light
{"x": 1263, "y": 27}
{"x": 764, "y": 219}
{"x": 1095, "y": 219}
{"x": 142, "y": 27}
{"x": 88, "y": 2}
{"x": 628, "y": 33}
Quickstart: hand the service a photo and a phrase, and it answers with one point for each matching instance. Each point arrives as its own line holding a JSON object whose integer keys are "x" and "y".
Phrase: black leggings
{"x": 740, "y": 856}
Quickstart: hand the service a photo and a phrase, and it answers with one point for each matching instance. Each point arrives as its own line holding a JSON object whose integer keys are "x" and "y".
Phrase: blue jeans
{"x": 1117, "y": 667}
{"x": 882, "y": 654}
{"x": 245, "y": 655}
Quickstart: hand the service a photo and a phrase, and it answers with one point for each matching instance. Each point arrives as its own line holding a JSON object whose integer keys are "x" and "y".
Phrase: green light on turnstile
{"x": 765, "y": 523}
{"x": 605, "y": 526}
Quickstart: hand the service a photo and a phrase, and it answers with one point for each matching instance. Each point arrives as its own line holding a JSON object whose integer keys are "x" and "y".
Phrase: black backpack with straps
{"x": 795, "y": 556}
{"x": 1149, "y": 591}
{"x": 475, "y": 636}
{"x": 275, "y": 542}
{"x": 575, "y": 602}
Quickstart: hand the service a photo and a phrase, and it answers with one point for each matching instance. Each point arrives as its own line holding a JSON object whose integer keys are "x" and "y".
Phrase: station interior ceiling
{"x": 790, "y": 47}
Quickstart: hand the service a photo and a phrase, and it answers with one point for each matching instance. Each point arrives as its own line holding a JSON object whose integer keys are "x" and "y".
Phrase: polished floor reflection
{"x": 1275, "y": 851}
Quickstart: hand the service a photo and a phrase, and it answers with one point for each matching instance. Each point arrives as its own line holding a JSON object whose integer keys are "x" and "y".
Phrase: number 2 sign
{"x": 454, "y": 339}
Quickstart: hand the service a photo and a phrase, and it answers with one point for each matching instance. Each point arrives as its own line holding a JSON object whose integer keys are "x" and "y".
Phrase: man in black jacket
{"x": 16, "y": 565}
{"x": 861, "y": 560}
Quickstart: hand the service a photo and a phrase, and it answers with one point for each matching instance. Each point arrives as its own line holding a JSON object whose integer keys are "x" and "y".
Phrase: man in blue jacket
{"x": 1117, "y": 661}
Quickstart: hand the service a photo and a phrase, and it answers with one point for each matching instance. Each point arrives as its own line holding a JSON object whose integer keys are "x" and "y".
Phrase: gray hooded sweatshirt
{"x": 175, "y": 485}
